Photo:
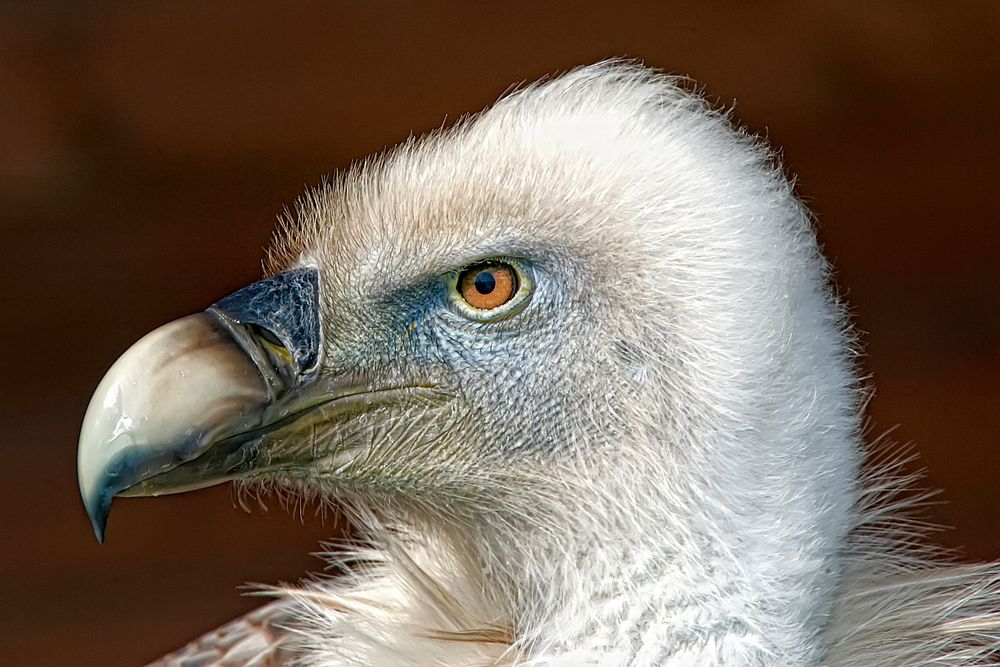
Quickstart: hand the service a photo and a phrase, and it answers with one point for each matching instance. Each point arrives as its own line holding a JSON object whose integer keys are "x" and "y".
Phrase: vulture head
{"x": 575, "y": 368}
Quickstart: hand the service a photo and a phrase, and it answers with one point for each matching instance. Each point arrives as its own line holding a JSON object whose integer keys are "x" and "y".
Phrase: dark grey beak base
{"x": 287, "y": 307}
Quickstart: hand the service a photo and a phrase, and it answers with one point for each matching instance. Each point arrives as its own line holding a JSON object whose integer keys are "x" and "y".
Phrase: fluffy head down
{"x": 657, "y": 456}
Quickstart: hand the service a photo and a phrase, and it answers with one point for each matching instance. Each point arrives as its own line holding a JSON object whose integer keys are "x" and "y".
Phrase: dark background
{"x": 146, "y": 148}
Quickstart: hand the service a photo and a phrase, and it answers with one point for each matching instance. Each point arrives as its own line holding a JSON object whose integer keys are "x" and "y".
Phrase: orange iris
{"x": 487, "y": 286}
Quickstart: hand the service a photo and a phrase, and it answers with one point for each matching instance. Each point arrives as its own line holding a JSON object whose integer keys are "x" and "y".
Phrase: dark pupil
{"x": 485, "y": 282}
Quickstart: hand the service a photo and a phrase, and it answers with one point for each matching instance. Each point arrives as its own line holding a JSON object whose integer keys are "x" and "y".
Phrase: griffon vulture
{"x": 576, "y": 371}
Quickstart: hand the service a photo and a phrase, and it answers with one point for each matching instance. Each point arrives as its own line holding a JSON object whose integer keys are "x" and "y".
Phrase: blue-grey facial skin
{"x": 515, "y": 386}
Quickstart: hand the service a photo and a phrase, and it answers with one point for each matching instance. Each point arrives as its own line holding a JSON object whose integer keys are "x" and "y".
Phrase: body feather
{"x": 678, "y": 481}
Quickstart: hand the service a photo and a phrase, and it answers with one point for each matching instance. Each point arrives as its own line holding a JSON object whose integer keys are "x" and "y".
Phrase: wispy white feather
{"x": 677, "y": 480}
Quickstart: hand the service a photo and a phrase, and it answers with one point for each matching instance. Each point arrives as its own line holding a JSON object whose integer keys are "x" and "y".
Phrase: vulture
{"x": 575, "y": 369}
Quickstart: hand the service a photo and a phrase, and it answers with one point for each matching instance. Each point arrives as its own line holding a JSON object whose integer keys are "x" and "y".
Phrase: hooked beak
{"x": 191, "y": 404}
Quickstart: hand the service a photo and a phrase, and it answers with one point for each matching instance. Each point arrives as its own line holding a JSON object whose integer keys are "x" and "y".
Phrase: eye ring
{"x": 491, "y": 289}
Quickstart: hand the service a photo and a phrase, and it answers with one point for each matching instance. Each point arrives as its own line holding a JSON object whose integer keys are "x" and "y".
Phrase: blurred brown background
{"x": 146, "y": 148}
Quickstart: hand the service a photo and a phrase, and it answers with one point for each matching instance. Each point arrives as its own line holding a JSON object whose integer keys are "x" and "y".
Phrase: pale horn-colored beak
{"x": 187, "y": 405}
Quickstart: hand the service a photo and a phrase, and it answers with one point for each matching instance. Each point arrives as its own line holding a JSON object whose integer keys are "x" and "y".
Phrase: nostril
{"x": 267, "y": 335}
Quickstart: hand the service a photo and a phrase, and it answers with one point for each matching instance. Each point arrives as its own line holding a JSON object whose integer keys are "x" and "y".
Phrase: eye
{"x": 492, "y": 289}
{"x": 488, "y": 285}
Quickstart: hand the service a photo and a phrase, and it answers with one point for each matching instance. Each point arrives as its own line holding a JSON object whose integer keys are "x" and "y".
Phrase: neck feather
{"x": 639, "y": 566}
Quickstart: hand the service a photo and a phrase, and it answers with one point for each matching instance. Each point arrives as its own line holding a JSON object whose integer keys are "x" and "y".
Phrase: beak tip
{"x": 99, "y": 530}
{"x": 98, "y": 508}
